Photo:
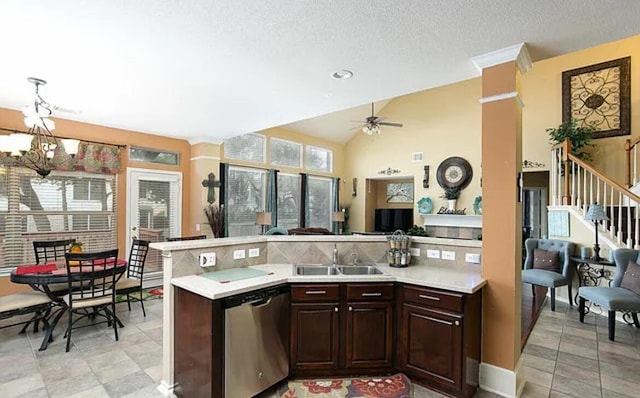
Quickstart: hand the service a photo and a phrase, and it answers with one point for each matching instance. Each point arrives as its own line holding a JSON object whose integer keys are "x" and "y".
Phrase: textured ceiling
{"x": 209, "y": 69}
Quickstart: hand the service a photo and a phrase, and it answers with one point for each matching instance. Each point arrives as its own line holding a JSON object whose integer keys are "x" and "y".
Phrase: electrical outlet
{"x": 255, "y": 252}
{"x": 433, "y": 253}
{"x": 207, "y": 259}
{"x": 473, "y": 258}
{"x": 415, "y": 252}
{"x": 446, "y": 255}
{"x": 238, "y": 254}
{"x": 197, "y": 227}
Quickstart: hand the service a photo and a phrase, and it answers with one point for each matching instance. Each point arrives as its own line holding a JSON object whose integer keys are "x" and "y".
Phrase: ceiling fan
{"x": 372, "y": 123}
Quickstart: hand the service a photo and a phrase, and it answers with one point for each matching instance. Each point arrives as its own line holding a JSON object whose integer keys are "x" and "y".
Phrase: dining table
{"x": 42, "y": 277}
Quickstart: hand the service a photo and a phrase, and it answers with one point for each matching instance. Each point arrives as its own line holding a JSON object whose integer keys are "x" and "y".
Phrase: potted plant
{"x": 580, "y": 138}
{"x": 451, "y": 194}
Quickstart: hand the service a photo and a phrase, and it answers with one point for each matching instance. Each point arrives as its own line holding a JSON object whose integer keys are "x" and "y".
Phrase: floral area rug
{"x": 147, "y": 294}
{"x": 396, "y": 386}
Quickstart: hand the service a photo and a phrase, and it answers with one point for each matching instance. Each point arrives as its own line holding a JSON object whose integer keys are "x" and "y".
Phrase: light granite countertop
{"x": 463, "y": 280}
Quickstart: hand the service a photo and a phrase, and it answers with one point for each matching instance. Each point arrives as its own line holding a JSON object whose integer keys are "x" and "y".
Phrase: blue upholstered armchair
{"x": 547, "y": 278}
{"x": 614, "y": 298}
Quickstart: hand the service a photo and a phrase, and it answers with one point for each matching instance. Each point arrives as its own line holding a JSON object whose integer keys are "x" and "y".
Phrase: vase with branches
{"x": 215, "y": 219}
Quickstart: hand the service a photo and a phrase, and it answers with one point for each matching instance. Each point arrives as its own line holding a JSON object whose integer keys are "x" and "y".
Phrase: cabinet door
{"x": 369, "y": 335}
{"x": 314, "y": 336}
{"x": 431, "y": 345}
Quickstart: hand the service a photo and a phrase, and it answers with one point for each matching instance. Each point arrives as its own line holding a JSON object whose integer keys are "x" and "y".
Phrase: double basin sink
{"x": 316, "y": 269}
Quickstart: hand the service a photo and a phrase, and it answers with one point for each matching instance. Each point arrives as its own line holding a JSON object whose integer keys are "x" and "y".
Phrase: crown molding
{"x": 517, "y": 52}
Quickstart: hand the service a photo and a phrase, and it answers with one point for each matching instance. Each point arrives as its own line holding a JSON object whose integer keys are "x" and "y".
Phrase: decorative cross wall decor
{"x": 211, "y": 184}
{"x": 599, "y": 96}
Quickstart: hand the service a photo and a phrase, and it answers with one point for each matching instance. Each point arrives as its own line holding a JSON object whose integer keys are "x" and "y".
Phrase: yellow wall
{"x": 441, "y": 122}
{"x": 205, "y": 159}
{"x": 542, "y": 96}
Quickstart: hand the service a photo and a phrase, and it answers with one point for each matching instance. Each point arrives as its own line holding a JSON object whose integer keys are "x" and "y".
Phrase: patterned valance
{"x": 95, "y": 158}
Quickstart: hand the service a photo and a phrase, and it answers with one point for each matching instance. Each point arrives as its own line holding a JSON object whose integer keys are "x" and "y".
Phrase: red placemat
{"x": 36, "y": 269}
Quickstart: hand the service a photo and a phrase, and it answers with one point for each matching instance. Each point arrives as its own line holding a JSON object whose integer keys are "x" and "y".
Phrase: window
{"x": 319, "y": 159}
{"x": 319, "y": 202}
{"x": 286, "y": 153}
{"x": 249, "y": 147}
{"x": 154, "y": 156}
{"x": 288, "y": 200}
{"x": 246, "y": 195}
{"x": 64, "y": 205}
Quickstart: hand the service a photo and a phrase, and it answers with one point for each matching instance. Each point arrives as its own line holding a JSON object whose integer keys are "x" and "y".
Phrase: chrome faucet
{"x": 335, "y": 254}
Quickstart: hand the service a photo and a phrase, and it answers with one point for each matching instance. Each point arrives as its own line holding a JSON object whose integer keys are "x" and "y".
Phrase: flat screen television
{"x": 389, "y": 220}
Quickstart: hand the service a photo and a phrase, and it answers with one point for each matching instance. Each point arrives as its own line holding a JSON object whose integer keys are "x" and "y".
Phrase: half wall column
{"x": 500, "y": 370}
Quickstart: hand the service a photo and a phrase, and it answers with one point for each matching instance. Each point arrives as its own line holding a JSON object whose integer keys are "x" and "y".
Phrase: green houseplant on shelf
{"x": 451, "y": 194}
{"x": 580, "y": 138}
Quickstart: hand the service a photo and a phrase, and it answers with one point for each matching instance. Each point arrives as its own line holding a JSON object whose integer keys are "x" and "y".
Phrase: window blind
{"x": 64, "y": 205}
{"x": 246, "y": 194}
{"x": 250, "y": 147}
{"x": 289, "y": 196}
{"x": 320, "y": 202}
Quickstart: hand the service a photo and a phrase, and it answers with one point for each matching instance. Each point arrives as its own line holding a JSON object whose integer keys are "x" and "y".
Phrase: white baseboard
{"x": 504, "y": 382}
{"x": 166, "y": 389}
{"x": 153, "y": 279}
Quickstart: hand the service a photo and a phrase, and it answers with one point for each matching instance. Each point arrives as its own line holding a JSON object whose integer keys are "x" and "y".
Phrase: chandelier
{"x": 36, "y": 149}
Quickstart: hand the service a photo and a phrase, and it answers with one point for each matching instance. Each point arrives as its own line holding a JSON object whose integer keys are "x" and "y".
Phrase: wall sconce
{"x": 425, "y": 178}
{"x": 354, "y": 192}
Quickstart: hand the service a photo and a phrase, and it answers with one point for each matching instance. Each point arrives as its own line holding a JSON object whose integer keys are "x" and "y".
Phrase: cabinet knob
{"x": 335, "y": 309}
{"x": 457, "y": 323}
{"x": 350, "y": 308}
{"x": 260, "y": 375}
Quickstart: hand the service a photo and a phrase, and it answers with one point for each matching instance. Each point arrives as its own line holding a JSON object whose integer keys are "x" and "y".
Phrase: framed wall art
{"x": 399, "y": 192}
{"x": 599, "y": 96}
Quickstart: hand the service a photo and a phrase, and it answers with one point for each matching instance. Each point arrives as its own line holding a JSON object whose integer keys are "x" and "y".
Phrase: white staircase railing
{"x": 575, "y": 183}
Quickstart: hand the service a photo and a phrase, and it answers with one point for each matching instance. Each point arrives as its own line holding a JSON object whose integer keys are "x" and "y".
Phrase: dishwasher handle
{"x": 260, "y": 303}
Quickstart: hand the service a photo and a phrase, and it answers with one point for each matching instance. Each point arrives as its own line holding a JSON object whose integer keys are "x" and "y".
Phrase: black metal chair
{"x": 135, "y": 270}
{"x": 91, "y": 281}
{"x": 46, "y": 251}
{"x": 180, "y": 238}
{"x": 51, "y": 250}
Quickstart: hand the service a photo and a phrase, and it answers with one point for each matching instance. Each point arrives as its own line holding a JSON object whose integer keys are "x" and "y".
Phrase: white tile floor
{"x": 563, "y": 358}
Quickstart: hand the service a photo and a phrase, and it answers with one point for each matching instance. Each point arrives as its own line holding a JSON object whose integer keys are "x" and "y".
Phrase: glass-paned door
{"x": 154, "y": 209}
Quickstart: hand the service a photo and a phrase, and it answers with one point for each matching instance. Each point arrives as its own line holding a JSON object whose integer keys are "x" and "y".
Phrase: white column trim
{"x": 517, "y": 52}
{"x": 166, "y": 389}
{"x": 504, "y": 382}
{"x": 204, "y": 157}
{"x": 500, "y": 97}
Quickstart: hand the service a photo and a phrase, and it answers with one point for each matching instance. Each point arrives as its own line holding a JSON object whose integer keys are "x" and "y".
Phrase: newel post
{"x": 566, "y": 150}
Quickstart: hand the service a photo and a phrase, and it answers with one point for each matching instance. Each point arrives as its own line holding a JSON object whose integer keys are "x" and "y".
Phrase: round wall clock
{"x": 454, "y": 172}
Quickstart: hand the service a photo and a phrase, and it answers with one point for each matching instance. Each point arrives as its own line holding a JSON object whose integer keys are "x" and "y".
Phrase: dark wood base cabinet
{"x": 341, "y": 329}
{"x": 199, "y": 345}
{"x": 439, "y": 338}
{"x": 346, "y": 329}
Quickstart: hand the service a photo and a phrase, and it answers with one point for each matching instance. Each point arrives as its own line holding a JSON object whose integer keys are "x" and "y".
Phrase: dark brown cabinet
{"x": 314, "y": 336}
{"x": 439, "y": 338}
{"x": 342, "y": 328}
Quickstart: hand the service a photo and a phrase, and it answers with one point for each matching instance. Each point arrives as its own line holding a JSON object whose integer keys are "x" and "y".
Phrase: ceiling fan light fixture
{"x": 342, "y": 74}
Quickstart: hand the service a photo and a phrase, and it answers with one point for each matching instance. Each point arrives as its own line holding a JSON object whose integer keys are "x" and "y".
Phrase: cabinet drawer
{"x": 369, "y": 291}
{"x": 315, "y": 292}
{"x": 434, "y": 298}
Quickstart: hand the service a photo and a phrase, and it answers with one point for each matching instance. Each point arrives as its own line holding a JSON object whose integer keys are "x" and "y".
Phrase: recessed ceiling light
{"x": 342, "y": 74}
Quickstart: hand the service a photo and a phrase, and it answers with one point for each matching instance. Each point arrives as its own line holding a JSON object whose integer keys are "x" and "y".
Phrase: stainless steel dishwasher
{"x": 256, "y": 341}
